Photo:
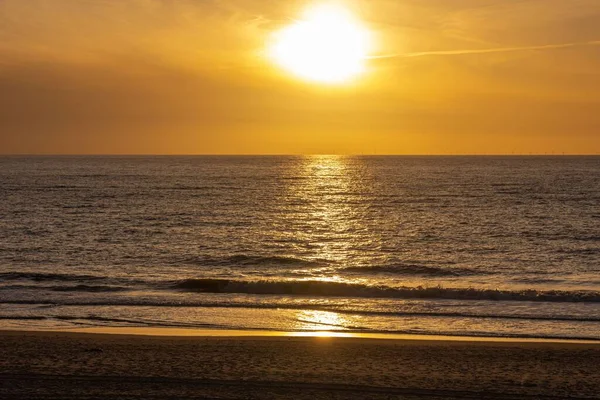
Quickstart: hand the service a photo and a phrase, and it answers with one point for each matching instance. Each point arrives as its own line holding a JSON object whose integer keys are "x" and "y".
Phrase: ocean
{"x": 462, "y": 246}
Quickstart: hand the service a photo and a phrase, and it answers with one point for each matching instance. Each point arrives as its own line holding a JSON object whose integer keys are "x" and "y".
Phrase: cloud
{"x": 491, "y": 50}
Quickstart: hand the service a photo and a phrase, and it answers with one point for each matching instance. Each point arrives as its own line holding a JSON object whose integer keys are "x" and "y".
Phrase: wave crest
{"x": 340, "y": 289}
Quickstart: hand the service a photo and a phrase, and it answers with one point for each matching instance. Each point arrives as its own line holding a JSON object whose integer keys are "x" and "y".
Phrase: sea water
{"x": 467, "y": 246}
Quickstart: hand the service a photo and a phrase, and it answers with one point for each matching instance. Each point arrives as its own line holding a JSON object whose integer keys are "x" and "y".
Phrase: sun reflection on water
{"x": 326, "y": 218}
{"x": 333, "y": 220}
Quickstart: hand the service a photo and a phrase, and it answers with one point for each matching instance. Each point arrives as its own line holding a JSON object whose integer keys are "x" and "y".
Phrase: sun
{"x": 328, "y": 45}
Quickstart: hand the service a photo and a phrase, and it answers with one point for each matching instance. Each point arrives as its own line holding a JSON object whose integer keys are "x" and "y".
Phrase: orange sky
{"x": 191, "y": 77}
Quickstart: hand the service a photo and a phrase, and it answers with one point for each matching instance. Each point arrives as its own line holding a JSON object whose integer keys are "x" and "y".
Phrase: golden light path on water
{"x": 335, "y": 221}
{"x": 329, "y": 181}
{"x": 341, "y": 231}
{"x": 337, "y": 227}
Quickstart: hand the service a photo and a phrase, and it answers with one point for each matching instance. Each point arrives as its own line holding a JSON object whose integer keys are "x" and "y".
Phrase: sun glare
{"x": 328, "y": 44}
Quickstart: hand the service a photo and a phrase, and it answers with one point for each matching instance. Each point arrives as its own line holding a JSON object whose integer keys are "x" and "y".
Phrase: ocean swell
{"x": 68, "y": 288}
{"x": 413, "y": 269}
{"x": 243, "y": 260}
{"x": 44, "y": 277}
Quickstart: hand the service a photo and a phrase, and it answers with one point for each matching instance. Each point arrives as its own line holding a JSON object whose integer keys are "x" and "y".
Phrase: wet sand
{"x": 51, "y": 365}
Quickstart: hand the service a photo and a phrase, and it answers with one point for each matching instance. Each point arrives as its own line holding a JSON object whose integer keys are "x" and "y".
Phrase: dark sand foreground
{"x": 98, "y": 366}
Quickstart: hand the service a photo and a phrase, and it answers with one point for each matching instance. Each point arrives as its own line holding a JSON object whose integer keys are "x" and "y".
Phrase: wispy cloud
{"x": 485, "y": 51}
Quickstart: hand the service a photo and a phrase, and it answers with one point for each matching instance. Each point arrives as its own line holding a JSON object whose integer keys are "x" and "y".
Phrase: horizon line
{"x": 298, "y": 155}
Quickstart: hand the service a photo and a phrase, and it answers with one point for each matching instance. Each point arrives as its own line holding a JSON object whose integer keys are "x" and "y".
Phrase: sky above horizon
{"x": 193, "y": 77}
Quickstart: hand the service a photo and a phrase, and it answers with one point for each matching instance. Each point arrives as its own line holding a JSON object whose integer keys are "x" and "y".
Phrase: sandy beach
{"x": 93, "y": 366}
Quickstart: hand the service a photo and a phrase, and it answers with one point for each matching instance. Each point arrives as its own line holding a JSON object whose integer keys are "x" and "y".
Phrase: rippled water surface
{"x": 488, "y": 246}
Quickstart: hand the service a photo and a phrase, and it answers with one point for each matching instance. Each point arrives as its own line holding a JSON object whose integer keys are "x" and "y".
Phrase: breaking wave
{"x": 340, "y": 289}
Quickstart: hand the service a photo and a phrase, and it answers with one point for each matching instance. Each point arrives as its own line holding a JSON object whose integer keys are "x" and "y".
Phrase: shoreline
{"x": 258, "y": 333}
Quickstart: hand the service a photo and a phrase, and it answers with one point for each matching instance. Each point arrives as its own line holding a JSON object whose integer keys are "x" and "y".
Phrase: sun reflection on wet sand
{"x": 179, "y": 332}
{"x": 323, "y": 334}
{"x": 315, "y": 321}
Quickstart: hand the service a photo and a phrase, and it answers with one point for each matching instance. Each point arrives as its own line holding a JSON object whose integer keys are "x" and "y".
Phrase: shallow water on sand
{"x": 486, "y": 246}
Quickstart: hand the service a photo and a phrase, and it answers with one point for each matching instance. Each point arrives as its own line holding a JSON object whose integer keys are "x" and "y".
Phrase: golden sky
{"x": 193, "y": 77}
